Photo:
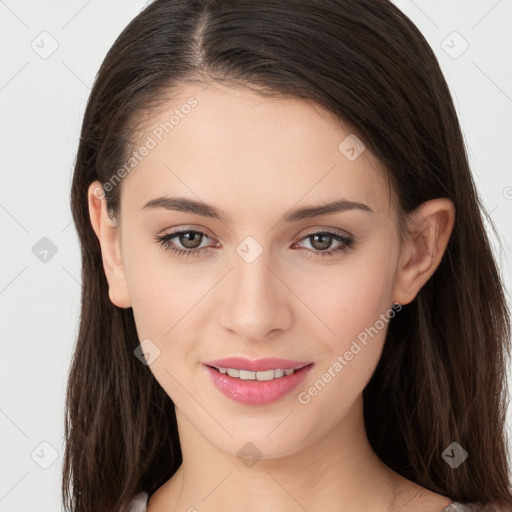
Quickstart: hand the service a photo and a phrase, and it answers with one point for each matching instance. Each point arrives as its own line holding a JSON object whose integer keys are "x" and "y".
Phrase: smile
{"x": 265, "y": 383}
{"x": 261, "y": 375}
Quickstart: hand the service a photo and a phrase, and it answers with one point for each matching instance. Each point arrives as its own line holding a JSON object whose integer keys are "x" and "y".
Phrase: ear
{"x": 429, "y": 227}
{"x": 109, "y": 236}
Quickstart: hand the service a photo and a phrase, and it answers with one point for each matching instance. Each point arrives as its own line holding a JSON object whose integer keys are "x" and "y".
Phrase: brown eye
{"x": 190, "y": 239}
{"x": 321, "y": 241}
{"x": 184, "y": 243}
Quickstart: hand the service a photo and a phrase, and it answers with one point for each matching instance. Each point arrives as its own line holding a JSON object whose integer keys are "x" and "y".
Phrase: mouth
{"x": 243, "y": 382}
{"x": 256, "y": 365}
{"x": 264, "y": 375}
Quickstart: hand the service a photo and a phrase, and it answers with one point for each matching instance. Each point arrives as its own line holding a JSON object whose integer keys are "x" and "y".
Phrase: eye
{"x": 191, "y": 240}
{"x": 320, "y": 241}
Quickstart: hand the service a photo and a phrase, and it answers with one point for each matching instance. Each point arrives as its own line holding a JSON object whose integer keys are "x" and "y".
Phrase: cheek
{"x": 357, "y": 307}
{"x": 165, "y": 301}
{"x": 350, "y": 298}
{"x": 162, "y": 294}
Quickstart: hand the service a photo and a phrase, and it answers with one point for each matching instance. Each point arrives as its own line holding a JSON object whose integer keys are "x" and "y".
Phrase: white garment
{"x": 140, "y": 501}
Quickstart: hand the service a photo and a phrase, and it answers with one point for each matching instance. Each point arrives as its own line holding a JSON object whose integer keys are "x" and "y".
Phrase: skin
{"x": 256, "y": 159}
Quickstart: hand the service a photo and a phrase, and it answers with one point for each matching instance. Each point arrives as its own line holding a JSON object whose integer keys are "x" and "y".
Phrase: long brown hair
{"x": 441, "y": 377}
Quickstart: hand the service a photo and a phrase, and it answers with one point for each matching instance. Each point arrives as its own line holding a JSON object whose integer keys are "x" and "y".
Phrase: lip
{"x": 256, "y": 365}
{"x": 254, "y": 392}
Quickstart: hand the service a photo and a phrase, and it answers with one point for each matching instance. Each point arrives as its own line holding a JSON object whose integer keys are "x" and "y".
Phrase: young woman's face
{"x": 254, "y": 275}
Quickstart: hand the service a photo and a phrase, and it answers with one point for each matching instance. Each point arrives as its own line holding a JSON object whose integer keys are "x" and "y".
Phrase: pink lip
{"x": 257, "y": 365}
{"x": 254, "y": 392}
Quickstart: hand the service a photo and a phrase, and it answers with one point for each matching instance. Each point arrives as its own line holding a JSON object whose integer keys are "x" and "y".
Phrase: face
{"x": 257, "y": 280}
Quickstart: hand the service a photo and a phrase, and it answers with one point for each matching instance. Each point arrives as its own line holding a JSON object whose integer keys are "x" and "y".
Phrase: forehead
{"x": 232, "y": 146}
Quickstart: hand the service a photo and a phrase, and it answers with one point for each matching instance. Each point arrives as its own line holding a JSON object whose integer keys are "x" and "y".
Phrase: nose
{"x": 259, "y": 304}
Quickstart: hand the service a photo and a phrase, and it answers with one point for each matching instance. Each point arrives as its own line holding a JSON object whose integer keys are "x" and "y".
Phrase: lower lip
{"x": 256, "y": 392}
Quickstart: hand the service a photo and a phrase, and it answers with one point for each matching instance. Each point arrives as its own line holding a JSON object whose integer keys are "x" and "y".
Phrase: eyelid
{"x": 180, "y": 229}
{"x": 316, "y": 230}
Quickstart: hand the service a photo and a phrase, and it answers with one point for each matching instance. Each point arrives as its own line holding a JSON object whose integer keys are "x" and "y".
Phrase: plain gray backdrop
{"x": 51, "y": 52}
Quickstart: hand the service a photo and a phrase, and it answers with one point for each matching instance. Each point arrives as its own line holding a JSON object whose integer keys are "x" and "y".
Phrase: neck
{"x": 338, "y": 472}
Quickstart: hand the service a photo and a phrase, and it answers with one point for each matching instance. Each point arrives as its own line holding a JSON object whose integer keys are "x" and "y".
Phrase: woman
{"x": 289, "y": 301}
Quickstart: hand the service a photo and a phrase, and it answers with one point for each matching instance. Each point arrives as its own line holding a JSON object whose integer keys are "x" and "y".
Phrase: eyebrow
{"x": 183, "y": 204}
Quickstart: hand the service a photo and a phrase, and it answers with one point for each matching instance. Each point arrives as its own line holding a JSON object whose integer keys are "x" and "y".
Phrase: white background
{"x": 42, "y": 102}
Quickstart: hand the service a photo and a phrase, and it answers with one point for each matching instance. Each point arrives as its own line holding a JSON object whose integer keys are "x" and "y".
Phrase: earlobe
{"x": 430, "y": 227}
{"x": 109, "y": 236}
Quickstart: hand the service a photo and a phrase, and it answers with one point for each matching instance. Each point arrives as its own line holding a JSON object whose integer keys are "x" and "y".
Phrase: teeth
{"x": 263, "y": 375}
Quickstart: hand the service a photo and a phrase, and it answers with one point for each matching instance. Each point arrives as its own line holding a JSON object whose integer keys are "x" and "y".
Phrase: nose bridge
{"x": 257, "y": 302}
{"x": 253, "y": 280}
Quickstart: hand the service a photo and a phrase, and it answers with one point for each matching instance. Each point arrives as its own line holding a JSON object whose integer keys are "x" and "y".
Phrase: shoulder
{"x": 138, "y": 503}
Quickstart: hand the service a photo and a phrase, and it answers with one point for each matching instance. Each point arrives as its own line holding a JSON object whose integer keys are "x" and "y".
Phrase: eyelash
{"x": 165, "y": 242}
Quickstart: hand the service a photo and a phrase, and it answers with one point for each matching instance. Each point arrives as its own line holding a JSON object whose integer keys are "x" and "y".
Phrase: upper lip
{"x": 256, "y": 365}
